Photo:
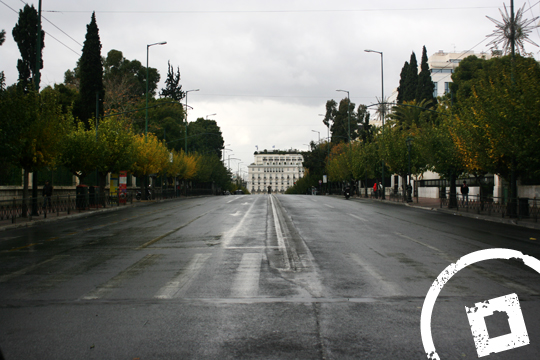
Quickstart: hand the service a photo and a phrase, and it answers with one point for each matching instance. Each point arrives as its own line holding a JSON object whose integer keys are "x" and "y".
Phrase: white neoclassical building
{"x": 443, "y": 64}
{"x": 275, "y": 170}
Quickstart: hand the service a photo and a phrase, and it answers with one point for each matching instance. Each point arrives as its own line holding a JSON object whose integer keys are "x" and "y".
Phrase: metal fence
{"x": 55, "y": 205}
{"x": 521, "y": 208}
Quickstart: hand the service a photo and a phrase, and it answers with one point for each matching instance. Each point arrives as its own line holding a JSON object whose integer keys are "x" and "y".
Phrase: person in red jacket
{"x": 375, "y": 190}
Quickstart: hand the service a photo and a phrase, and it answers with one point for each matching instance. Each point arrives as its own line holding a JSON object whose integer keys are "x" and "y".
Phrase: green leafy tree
{"x": 496, "y": 128}
{"x": 340, "y": 125}
{"x": 91, "y": 76}
{"x": 205, "y": 137}
{"x": 115, "y": 148}
{"x": 462, "y": 78}
{"x": 80, "y": 153}
{"x": 210, "y": 168}
{"x": 172, "y": 89}
{"x": 411, "y": 80}
{"x": 130, "y": 73}
{"x": 440, "y": 151}
{"x": 425, "y": 88}
{"x": 165, "y": 120}
{"x": 25, "y": 35}
{"x": 33, "y": 128}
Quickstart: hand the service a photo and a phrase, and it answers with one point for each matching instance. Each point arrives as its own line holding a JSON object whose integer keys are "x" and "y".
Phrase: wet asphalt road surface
{"x": 257, "y": 277}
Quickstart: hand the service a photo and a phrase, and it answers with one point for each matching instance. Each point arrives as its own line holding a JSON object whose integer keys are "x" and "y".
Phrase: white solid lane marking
{"x": 279, "y": 234}
{"x": 246, "y": 281}
{"x": 358, "y": 217}
{"x": 419, "y": 242}
{"x": 230, "y": 234}
{"x": 194, "y": 266}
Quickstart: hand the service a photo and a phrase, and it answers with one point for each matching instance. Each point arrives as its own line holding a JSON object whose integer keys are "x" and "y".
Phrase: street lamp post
{"x": 382, "y": 111}
{"x": 147, "y": 51}
{"x": 185, "y": 134}
{"x": 318, "y": 132}
{"x": 348, "y": 115}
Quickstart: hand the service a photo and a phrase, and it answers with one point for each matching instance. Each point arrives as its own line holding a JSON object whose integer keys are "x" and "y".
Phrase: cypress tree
{"x": 425, "y": 88}
{"x": 91, "y": 75}
{"x": 24, "y": 34}
{"x": 172, "y": 89}
{"x": 411, "y": 80}
{"x": 402, "y": 82}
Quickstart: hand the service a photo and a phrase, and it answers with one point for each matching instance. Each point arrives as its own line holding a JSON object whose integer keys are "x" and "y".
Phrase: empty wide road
{"x": 257, "y": 277}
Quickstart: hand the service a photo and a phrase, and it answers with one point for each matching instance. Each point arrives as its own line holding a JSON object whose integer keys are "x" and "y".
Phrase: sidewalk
{"x": 6, "y": 224}
{"x": 434, "y": 204}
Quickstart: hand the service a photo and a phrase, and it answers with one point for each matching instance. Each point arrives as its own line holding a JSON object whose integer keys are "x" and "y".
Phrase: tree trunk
{"x": 102, "y": 182}
{"x": 452, "y": 202}
{"x": 25, "y": 194}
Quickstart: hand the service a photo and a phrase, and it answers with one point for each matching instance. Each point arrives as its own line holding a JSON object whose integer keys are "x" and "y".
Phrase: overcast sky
{"x": 266, "y": 68}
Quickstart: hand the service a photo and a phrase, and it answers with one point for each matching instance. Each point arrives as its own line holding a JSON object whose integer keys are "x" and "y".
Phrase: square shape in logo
{"x": 517, "y": 337}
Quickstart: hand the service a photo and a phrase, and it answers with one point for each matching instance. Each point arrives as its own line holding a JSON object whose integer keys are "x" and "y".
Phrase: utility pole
{"x": 37, "y": 80}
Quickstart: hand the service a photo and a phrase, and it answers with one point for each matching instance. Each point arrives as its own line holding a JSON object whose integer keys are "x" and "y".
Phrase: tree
{"x": 117, "y": 69}
{"x": 91, "y": 76}
{"x": 115, "y": 148}
{"x": 80, "y": 153}
{"x": 402, "y": 82}
{"x": 496, "y": 128}
{"x": 210, "y": 168}
{"x": 439, "y": 149}
{"x": 461, "y": 85}
{"x": 25, "y": 35}
{"x": 172, "y": 89}
{"x": 165, "y": 120}
{"x": 340, "y": 125}
{"x": 425, "y": 88}
{"x": 204, "y": 137}
{"x": 411, "y": 80}
{"x": 33, "y": 128}
{"x": 2, "y": 75}
{"x": 150, "y": 156}
{"x": 339, "y": 164}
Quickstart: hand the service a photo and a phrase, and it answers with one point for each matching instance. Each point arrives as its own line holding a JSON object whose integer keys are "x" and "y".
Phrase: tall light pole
{"x": 319, "y": 135}
{"x": 348, "y": 115}
{"x": 382, "y": 111}
{"x": 147, "y": 51}
{"x": 210, "y": 115}
{"x": 185, "y": 134}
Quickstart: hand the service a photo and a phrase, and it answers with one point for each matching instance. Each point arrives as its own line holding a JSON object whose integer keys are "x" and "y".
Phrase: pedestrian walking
{"x": 375, "y": 190}
{"x": 465, "y": 192}
{"x": 47, "y": 194}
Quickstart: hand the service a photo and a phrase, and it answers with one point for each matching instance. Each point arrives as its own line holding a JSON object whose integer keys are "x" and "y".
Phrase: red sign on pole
{"x": 122, "y": 187}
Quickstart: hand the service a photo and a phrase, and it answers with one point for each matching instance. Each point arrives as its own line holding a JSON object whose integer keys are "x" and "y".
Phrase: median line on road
{"x": 279, "y": 234}
{"x": 153, "y": 241}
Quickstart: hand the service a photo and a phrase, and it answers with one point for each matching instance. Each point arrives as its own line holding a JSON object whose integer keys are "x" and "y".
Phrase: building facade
{"x": 442, "y": 65}
{"x": 275, "y": 171}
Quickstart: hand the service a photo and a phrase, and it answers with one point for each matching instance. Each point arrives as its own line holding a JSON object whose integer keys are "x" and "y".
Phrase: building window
{"x": 435, "y": 90}
{"x": 446, "y": 87}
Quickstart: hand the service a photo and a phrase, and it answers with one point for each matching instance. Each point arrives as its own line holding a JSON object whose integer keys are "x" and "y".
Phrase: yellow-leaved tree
{"x": 150, "y": 156}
